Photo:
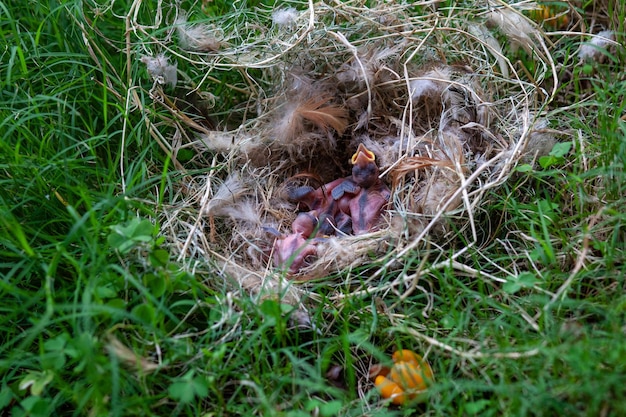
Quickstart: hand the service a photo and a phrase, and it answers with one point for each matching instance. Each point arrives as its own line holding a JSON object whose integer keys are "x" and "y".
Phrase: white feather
{"x": 160, "y": 69}
{"x": 285, "y": 17}
{"x": 226, "y": 196}
{"x": 593, "y": 50}
{"x": 430, "y": 84}
{"x": 517, "y": 28}
{"x": 247, "y": 211}
{"x": 197, "y": 37}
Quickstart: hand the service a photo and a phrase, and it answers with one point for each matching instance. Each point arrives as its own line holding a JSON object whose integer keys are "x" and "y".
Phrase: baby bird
{"x": 364, "y": 170}
{"x": 328, "y": 202}
{"x": 367, "y": 204}
{"x": 297, "y": 248}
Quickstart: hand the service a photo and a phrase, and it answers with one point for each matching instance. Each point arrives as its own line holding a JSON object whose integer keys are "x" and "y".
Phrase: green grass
{"x": 99, "y": 317}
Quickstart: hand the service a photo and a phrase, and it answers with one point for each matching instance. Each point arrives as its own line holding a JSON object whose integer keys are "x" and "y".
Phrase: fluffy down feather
{"x": 316, "y": 111}
{"x": 197, "y": 37}
{"x": 517, "y": 28}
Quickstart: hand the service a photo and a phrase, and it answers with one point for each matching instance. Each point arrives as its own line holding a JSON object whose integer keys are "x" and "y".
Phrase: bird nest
{"x": 428, "y": 93}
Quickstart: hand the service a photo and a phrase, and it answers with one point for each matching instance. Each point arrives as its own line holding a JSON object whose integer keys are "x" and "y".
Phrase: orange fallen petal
{"x": 408, "y": 376}
{"x": 407, "y": 379}
{"x": 390, "y": 390}
{"x": 406, "y": 355}
{"x": 409, "y": 356}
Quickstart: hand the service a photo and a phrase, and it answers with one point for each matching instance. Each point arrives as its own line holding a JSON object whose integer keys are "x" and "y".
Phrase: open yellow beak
{"x": 362, "y": 156}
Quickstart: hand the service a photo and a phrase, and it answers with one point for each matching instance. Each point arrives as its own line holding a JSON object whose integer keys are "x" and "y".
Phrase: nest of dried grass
{"x": 430, "y": 92}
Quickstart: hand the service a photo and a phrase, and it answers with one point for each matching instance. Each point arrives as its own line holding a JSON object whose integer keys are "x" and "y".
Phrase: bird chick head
{"x": 364, "y": 170}
{"x": 305, "y": 223}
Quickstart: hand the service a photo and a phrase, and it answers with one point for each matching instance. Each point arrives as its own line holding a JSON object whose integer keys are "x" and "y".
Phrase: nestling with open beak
{"x": 371, "y": 196}
{"x": 364, "y": 169}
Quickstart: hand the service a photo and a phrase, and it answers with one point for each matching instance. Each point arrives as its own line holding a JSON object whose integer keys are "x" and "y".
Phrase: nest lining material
{"x": 432, "y": 95}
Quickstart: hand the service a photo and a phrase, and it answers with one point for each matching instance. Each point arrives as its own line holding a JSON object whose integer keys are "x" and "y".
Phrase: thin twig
{"x": 472, "y": 355}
